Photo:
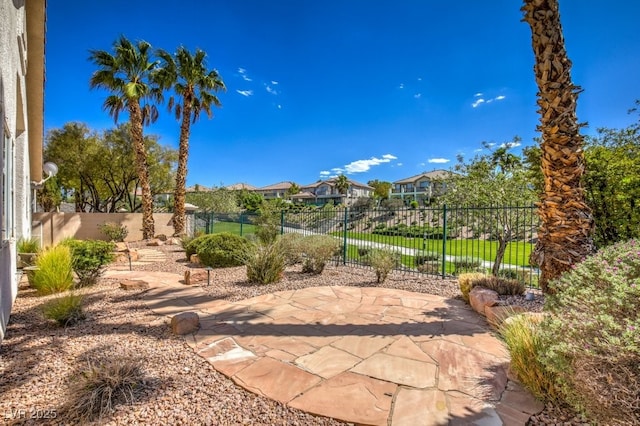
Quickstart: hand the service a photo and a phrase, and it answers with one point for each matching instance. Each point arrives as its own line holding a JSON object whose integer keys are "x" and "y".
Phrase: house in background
{"x": 277, "y": 190}
{"x": 22, "y": 39}
{"x": 325, "y": 191}
{"x": 421, "y": 188}
{"x": 240, "y": 186}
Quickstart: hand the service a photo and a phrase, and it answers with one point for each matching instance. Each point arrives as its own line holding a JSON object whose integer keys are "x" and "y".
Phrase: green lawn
{"x": 233, "y": 228}
{"x": 517, "y": 252}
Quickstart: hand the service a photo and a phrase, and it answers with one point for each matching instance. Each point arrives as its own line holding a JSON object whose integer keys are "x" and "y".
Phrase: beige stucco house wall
{"x": 22, "y": 29}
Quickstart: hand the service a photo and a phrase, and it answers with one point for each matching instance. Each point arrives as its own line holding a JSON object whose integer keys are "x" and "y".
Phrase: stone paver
{"x": 371, "y": 356}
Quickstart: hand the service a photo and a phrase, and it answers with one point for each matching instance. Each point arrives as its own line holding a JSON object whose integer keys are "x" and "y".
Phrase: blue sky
{"x": 375, "y": 89}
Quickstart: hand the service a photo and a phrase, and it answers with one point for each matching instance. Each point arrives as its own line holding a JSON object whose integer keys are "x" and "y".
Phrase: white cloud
{"x": 279, "y": 106}
{"x": 399, "y": 164}
{"x": 245, "y": 92}
{"x": 243, "y": 74}
{"x": 389, "y": 157}
{"x": 481, "y": 101}
{"x": 478, "y": 150}
{"x": 477, "y": 95}
{"x": 417, "y": 95}
{"x": 510, "y": 144}
{"x": 419, "y": 78}
{"x": 337, "y": 170}
{"x": 401, "y": 86}
{"x": 325, "y": 173}
{"x": 477, "y": 103}
{"x": 271, "y": 90}
{"x": 499, "y": 98}
{"x": 438, "y": 160}
{"x": 360, "y": 166}
{"x": 274, "y": 82}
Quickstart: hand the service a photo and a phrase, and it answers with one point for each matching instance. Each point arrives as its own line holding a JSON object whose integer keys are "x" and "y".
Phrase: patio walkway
{"x": 372, "y": 356}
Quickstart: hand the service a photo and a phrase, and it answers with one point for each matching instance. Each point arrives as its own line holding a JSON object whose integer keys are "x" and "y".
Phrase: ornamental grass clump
{"x": 97, "y": 389}
{"x": 502, "y": 286}
{"x": 465, "y": 281}
{"x": 265, "y": 262}
{"x": 317, "y": 250}
{"x": 592, "y": 334}
{"x": 65, "y": 310}
{"x": 54, "y": 273}
{"x": 383, "y": 262}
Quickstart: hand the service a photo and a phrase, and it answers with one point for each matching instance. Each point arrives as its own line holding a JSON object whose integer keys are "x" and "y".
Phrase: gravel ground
{"x": 38, "y": 360}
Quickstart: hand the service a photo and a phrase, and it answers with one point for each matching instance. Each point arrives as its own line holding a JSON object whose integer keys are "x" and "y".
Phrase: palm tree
{"x": 126, "y": 74}
{"x": 564, "y": 237}
{"x": 195, "y": 87}
{"x": 342, "y": 184}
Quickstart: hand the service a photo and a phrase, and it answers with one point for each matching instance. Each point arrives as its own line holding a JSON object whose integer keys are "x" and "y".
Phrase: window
{"x": 6, "y": 210}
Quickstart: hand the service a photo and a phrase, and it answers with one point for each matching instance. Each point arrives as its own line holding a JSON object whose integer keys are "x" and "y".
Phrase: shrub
{"x": 191, "y": 246}
{"x": 265, "y": 262}
{"x": 414, "y": 204}
{"x": 502, "y": 286}
{"x": 54, "y": 273}
{"x": 222, "y": 250}
{"x": 114, "y": 231}
{"x": 383, "y": 262}
{"x": 521, "y": 334}
{"x": 102, "y": 385}
{"x": 65, "y": 310}
{"x": 430, "y": 267}
{"x": 89, "y": 258}
{"x": 420, "y": 259}
{"x": 509, "y": 273}
{"x": 28, "y": 245}
{"x": 291, "y": 247}
{"x": 268, "y": 223}
{"x": 465, "y": 281}
{"x": 363, "y": 251}
{"x": 466, "y": 264}
{"x": 317, "y": 251}
{"x": 592, "y": 332}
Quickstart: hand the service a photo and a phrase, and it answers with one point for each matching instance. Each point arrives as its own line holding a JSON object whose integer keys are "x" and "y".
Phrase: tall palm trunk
{"x": 564, "y": 237}
{"x": 181, "y": 175}
{"x": 148, "y": 225}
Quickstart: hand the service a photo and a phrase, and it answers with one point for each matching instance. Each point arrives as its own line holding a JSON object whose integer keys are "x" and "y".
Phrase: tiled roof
{"x": 277, "y": 186}
{"x": 434, "y": 174}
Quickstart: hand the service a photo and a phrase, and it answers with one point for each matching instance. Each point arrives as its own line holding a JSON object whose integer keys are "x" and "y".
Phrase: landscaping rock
{"x": 193, "y": 277}
{"x": 155, "y": 243}
{"x": 194, "y": 259}
{"x": 161, "y": 237}
{"x": 134, "y": 285}
{"x": 496, "y": 315}
{"x": 185, "y": 323}
{"x": 120, "y": 246}
{"x": 480, "y": 297}
{"x": 173, "y": 241}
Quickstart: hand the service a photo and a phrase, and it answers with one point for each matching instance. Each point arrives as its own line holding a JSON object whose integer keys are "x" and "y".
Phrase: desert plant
{"x": 502, "y": 286}
{"x": 291, "y": 246}
{"x": 430, "y": 267}
{"x": 89, "y": 257}
{"x": 54, "y": 273}
{"x": 222, "y": 250}
{"x": 521, "y": 334}
{"x": 422, "y": 258}
{"x": 97, "y": 389}
{"x": 383, "y": 262}
{"x": 265, "y": 262}
{"x": 363, "y": 251}
{"x": 466, "y": 264}
{"x": 28, "y": 245}
{"x": 465, "y": 281}
{"x": 114, "y": 231}
{"x": 317, "y": 251}
{"x": 592, "y": 334}
{"x": 191, "y": 245}
{"x": 65, "y": 310}
{"x": 268, "y": 223}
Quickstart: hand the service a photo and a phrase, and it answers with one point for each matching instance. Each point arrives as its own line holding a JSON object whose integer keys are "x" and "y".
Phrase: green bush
{"x": 98, "y": 388}
{"x": 502, "y": 286}
{"x": 54, "y": 273}
{"x": 466, "y": 264}
{"x": 363, "y": 251}
{"x": 383, "y": 262}
{"x": 28, "y": 245}
{"x": 521, "y": 334}
{"x": 114, "y": 231}
{"x": 420, "y": 259}
{"x": 65, "y": 310}
{"x": 317, "y": 251}
{"x": 291, "y": 246}
{"x": 222, "y": 250}
{"x": 265, "y": 262}
{"x": 89, "y": 257}
{"x": 191, "y": 246}
{"x": 592, "y": 334}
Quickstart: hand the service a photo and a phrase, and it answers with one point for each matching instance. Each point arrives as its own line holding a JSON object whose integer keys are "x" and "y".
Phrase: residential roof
{"x": 241, "y": 185}
{"x": 332, "y": 182}
{"x": 303, "y": 195}
{"x": 277, "y": 186}
{"x": 434, "y": 174}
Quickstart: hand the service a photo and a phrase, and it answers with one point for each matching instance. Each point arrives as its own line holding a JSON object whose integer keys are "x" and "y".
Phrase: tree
{"x": 99, "y": 169}
{"x": 342, "y": 184}
{"x": 292, "y": 190}
{"x": 564, "y": 238}
{"x": 381, "y": 189}
{"x": 496, "y": 198}
{"x": 220, "y": 200}
{"x": 248, "y": 200}
{"x": 127, "y": 75}
{"x": 195, "y": 88}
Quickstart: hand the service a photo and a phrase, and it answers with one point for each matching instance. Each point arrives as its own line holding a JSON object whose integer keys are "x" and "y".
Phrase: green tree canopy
{"x": 381, "y": 189}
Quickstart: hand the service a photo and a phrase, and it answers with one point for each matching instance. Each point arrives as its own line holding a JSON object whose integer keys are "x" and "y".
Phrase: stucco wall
{"x": 52, "y": 228}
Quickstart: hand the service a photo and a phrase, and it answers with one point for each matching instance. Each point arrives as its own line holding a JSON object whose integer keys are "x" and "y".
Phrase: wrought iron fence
{"x": 443, "y": 240}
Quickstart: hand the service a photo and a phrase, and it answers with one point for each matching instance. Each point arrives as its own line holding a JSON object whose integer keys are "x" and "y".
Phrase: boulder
{"x": 120, "y": 246}
{"x": 496, "y": 315}
{"x": 155, "y": 243}
{"x": 134, "y": 285}
{"x": 194, "y": 259}
{"x": 161, "y": 237}
{"x": 185, "y": 323}
{"x": 193, "y": 277}
{"x": 134, "y": 254}
{"x": 173, "y": 241}
{"x": 480, "y": 297}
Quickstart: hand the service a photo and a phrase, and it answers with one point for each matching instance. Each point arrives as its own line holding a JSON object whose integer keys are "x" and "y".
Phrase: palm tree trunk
{"x": 564, "y": 237}
{"x": 181, "y": 174}
{"x": 135, "y": 118}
